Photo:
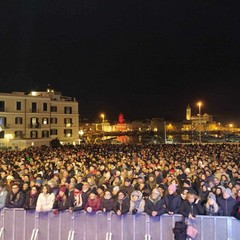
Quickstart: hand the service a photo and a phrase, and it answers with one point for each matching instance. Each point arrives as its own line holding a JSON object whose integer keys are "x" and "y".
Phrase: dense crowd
{"x": 174, "y": 179}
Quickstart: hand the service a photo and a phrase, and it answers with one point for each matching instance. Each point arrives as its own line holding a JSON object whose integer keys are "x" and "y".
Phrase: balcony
{"x": 36, "y": 125}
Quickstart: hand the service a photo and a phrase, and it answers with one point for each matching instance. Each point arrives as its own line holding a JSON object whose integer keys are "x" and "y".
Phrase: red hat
{"x": 63, "y": 188}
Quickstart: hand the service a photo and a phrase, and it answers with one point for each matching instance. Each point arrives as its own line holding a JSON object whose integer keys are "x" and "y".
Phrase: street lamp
{"x": 199, "y": 113}
{"x": 81, "y": 132}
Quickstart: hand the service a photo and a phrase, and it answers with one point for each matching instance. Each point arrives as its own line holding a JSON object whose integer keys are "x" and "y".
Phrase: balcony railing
{"x": 36, "y": 125}
{"x": 20, "y": 224}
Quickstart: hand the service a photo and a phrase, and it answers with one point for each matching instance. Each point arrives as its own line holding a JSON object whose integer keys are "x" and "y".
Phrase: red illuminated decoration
{"x": 121, "y": 126}
{"x": 120, "y": 118}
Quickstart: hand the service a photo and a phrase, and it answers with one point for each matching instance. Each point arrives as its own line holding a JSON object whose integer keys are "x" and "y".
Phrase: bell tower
{"x": 188, "y": 113}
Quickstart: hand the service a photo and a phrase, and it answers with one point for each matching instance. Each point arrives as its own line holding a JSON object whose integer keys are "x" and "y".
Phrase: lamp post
{"x": 199, "y": 113}
{"x": 81, "y": 132}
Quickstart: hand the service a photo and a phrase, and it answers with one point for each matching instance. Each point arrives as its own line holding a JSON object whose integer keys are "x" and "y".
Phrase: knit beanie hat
{"x": 228, "y": 191}
{"x": 212, "y": 196}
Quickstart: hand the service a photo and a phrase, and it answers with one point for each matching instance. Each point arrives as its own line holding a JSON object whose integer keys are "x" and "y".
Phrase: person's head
{"x": 191, "y": 197}
{"x": 100, "y": 190}
{"x": 127, "y": 182}
{"x": 15, "y": 188}
{"x": 155, "y": 194}
{"x": 92, "y": 195}
{"x": 46, "y": 189}
{"x": 107, "y": 194}
{"x": 172, "y": 189}
{"x": 85, "y": 186}
{"x": 34, "y": 190}
{"x": 25, "y": 186}
{"x": 227, "y": 193}
{"x": 62, "y": 190}
{"x": 121, "y": 195}
{"x": 136, "y": 195}
{"x": 211, "y": 198}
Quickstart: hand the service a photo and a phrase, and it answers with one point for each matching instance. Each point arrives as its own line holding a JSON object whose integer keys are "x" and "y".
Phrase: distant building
{"x": 36, "y": 118}
{"x": 203, "y": 123}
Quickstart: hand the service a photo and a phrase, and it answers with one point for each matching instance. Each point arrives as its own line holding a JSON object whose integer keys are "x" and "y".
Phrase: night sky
{"x": 144, "y": 58}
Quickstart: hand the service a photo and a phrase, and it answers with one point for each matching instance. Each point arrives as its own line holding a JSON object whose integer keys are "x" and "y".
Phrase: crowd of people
{"x": 156, "y": 179}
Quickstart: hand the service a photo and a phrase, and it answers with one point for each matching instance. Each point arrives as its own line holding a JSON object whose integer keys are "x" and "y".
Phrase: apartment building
{"x": 36, "y": 118}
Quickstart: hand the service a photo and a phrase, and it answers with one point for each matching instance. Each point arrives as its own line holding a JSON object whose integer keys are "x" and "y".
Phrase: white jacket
{"x": 45, "y": 202}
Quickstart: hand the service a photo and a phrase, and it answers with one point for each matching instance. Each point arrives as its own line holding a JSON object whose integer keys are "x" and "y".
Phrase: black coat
{"x": 15, "y": 200}
{"x": 186, "y": 208}
{"x": 173, "y": 203}
{"x": 122, "y": 206}
{"x": 158, "y": 207}
{"x": 227, "y": 205}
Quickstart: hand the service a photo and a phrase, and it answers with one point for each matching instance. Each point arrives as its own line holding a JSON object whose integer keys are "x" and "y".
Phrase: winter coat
{"x": 108, "y": 204}
{"x": 137, "y": 206}
{"x": 186, "y": 208}
{"x": 172, "y": 202}
{"x": 123, "y": 205}
{"x": 15, "y": 200}
{"x": 95, "y": 204}
{"x": 45, "y": 202}
{"x": 227, "y": 205}
{"x": 3, "y": 197}
{"x": 30, "y": 201}
{"x": 157, "y": 206}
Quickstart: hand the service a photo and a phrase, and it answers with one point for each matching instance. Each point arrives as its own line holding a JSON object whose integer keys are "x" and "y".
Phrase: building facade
{"x": 36, "y": 118}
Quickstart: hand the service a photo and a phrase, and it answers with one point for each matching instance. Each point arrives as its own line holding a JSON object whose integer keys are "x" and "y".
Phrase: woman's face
{"x": 33, "y": 190}
{"x": 45, "y": 190}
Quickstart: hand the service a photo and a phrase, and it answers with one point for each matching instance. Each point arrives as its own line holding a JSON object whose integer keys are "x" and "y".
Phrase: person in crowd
{"x": 31, "y": 198}
{"x": 211, "y": 208}
{"x": 227, "y": 202}
{"x": 15, "y": 198}
{"x": 45, "y": 199}
{"x": 127, "y": 187}
{"x": 77, "y": 199}
{"x": 3, "y": 195}
{"x": 100, "y": 191}
{"x": 151, "y": 181}
{"x": 61, "y": 201}
{"x": 203, "y": 193}
{"x": 107, "y": 201}
{"x": 172, "y": 200}
{"x": 154, "y": 205}
{"x": 191, "y": 207}
{"x": 93, "y": 202}
{"x": 137, "y": 203}
{"x": 121, "y": 203}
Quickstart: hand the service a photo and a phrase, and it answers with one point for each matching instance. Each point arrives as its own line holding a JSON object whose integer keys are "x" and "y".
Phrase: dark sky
{"x": 144, "y": 58}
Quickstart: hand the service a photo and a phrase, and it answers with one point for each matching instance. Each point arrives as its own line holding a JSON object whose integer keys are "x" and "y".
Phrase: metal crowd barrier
{"x": 18, "y": 224}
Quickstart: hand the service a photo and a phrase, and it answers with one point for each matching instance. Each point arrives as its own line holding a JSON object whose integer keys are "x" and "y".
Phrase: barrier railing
{"x": 18, "y": 224}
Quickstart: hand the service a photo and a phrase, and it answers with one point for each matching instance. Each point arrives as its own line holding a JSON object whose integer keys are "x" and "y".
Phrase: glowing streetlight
{"x": 199, "y": 113}
{"x": 81, "y": 132}
{"x": 102, "y": 116}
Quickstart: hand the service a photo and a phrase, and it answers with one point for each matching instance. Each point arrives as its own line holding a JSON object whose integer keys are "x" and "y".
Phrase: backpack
{"x": 180, "y": 230}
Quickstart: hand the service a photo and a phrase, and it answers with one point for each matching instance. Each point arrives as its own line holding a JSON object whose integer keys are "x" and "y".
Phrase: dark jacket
{"x": 61, "y": 204}
{"x": 30, "y": 201}
{"x": 158, "y": 206}
{"x": 72, "y": 202}
{"x": 108, "y": 204}
{"x": 227, "y": 205}
{"x": 172, "y": 203}
{"x": 186, "y": 208}
{"x": 15, "y": 200}
{"x": 123, "y": 206}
